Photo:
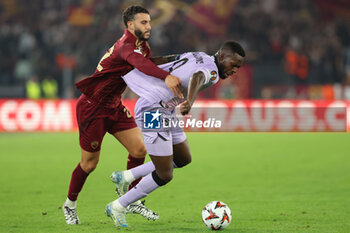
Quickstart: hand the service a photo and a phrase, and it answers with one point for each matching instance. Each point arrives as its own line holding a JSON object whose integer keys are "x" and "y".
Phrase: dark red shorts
{"x": 95, "y": 120}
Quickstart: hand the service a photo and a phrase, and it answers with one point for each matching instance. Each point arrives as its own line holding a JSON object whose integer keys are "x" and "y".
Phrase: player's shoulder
{"x": 204, "y": 55}
{"x": 197, "y": 55}
{"x": 126, "y": 48}
{"x": 206, "y": 64}
{"x": 200, "y": 58}
{"x": 208, "y": 59}
{"x": 126, "y": 41}
{"x": 126, "y": 44}
{"x": 137, "y": 46}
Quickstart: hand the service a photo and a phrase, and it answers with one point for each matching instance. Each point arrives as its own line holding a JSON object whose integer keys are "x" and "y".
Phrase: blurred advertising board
{"x": 22, "y": 115}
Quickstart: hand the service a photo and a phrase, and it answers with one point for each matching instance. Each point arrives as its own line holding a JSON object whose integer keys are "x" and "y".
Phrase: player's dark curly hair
{"x": 131, "y": 11}
{"x": 234, "y": 46}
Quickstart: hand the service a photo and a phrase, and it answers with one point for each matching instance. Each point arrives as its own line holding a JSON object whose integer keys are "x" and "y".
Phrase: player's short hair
{"x": 130, "y": 12}
{"x": 234, "y": 46}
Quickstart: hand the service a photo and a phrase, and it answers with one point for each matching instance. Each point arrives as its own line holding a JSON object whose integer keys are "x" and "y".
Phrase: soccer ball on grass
{"x": 216, "y": 215}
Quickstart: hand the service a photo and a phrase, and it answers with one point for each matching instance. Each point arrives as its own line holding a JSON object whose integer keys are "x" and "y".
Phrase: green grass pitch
{"x": 273, "y": 182}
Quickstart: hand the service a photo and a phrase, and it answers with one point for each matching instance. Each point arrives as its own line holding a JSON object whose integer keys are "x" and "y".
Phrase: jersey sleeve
{"x": 210, "y": 73}
{"x": 145, "y": 65}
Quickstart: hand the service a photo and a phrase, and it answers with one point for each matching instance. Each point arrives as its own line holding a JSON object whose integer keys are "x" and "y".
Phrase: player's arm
{"x": 146, "y": 66}
{"x": 164, "y": 59}
{"x": 196, "y": 82}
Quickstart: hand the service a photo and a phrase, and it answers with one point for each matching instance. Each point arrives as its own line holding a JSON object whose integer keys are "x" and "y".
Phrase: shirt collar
{"x": 132, "y": 37}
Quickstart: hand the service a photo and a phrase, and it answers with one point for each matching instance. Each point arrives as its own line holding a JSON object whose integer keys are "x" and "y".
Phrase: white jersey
{"x": 154, "y": 90}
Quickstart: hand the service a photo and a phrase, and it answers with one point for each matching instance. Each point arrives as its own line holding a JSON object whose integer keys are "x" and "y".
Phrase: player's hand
{"x": 185, "y": 107}
{"x": 174, "y": 84}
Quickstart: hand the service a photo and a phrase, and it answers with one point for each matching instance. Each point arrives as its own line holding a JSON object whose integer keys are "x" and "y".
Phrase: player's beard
{"x": 140, "y": 35}
{"x": 221, "y": 69}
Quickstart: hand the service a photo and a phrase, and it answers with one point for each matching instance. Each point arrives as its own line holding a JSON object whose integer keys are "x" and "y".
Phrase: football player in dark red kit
{"x": 100, "y": 110}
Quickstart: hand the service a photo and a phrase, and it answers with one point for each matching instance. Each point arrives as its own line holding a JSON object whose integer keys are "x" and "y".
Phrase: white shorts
{"x": 158, "y": 142}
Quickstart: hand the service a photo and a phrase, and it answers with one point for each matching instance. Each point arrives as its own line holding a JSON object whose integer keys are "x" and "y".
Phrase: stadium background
{"x": 295, "y": 49}
{"x": 298, "y": 57}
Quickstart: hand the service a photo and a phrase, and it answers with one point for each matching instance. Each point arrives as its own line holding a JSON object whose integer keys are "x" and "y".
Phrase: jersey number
{"x": 178, "y": 64}
{"x": 107, "y": 54}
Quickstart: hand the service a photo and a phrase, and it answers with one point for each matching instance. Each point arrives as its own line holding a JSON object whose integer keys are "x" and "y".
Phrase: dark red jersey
{"x": 105, "y": 86}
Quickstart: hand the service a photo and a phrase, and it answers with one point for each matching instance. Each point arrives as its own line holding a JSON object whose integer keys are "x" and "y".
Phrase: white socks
{"x": 70, "y": 204}
{"x": 128, "y": 176}
{"x": 117, "y": 205}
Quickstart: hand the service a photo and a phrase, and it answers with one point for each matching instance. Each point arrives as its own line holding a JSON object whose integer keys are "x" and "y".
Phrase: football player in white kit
{"x": 167, "y": 146}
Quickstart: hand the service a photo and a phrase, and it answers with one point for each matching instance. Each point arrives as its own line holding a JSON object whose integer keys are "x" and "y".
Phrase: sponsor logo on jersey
{"x": 213, "y": 75}
{"x": 138, "y": 50}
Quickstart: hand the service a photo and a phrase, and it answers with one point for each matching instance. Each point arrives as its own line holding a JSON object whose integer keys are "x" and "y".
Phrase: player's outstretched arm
{"x": 146, "y": 66}
{"x": 196, "y": 82}
{"x": 172, "y": 82}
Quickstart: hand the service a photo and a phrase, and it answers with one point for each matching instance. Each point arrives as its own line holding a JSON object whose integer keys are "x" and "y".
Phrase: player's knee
{"x": 139, "y": 152}
{"x": 92, "y": 167}
{"x": 183, "y": 162}
{"x": 166, "y": 176}
{"x": 163, "y": 177}
{"x": 186, "y": 161}
{"x": 89, "y": 166}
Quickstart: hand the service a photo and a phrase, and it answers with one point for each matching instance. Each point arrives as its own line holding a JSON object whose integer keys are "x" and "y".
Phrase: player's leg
{"x": 91, "y": 132}
{"x": 162, "y": 174}
{"x": 126, "y": 132}
{"x": 87, "y": 164}
{"x": 132, "y": 140}
{"x": 123, "y": 185}
{"x": 182, "y": 154}
{"x": 160, "y": 150}
{"x": 181, "y": 157}
{"x": 159, "y": 177}
{"x": 89, "y": 160}
{"x": 156, "y": 173}
{"x": 181, "y": 151}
